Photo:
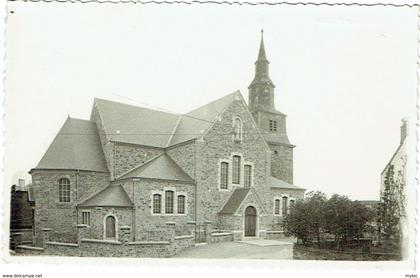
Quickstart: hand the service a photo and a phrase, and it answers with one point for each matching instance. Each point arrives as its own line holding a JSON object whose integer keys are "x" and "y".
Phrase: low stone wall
{"x": 113, "y": 248}
{"x": 274, "y": 235}
{"x": 220, "y": 237}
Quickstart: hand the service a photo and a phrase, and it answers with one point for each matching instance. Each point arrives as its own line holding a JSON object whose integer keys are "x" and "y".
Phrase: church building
{"x": 227, "y": 165}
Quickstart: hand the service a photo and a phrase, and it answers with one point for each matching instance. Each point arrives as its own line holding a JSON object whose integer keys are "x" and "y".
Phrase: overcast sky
{"x": 345, "y": 76}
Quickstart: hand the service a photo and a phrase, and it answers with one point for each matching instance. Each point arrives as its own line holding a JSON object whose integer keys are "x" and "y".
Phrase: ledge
{"x": 274, "y": 232}
{"x": 26, "y": 247}
{"x": 62, "y": 244}
{"x": 184, "y": 237}
{"x": 221, "y": 234}
{"x": 46, "y": 229}
{"x": 149, "y": 243}
{"x": 101, "y": 241}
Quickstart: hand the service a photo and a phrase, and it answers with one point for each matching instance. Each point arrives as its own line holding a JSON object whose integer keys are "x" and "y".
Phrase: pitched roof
{"x": 111, "y": 196}
{"x": 137, "y": 125}
{"x": 76, "y": 146}
{"x": 278, "y": 183}
{"x": 160, "y": 167}
{"x": 235, "y": 200}
{"x": 143, "y": 126}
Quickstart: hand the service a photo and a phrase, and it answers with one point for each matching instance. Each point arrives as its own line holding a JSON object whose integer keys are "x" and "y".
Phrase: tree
{"x": 305, "y": 218}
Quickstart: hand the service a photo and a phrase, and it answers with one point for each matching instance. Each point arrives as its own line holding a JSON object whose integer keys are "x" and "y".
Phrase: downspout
{"x": 77, "y": 196}
{"x": 133, "y": 214}
{"x": 195, "y": 182}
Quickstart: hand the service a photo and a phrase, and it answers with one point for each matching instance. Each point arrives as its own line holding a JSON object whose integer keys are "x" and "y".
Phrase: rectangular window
{"x": 247, "y": 175}
{"x": 86, "y": 218}
{"x": 169, "y": 201}
{"x": 276, "y": 206}
{"x": 181, "y": 204}
{"x": 157, "y": 203}
{"x": 224, "y": 175}
{"x": 284, "y": 205}
{"x": 272, "y": 125}
{"x": 236, "y": 170}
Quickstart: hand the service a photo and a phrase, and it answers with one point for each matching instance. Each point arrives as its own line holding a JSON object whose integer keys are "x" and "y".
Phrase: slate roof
{"x": 235, "y": 200}
{"x": 143, "y": 126}
{"x": 76, "y": 146}
{"x": 111, "y": 196}
{"x": 160, "y": 167}
{"x": 278, "y": 183}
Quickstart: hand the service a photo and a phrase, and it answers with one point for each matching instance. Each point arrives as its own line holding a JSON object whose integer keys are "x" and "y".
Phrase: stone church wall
{"x": 61, "y": 217}
{"x": 218, "y": 144}
{"x": 184, "y": 156}
{"x": 149, "y": 226}
{"x": 282, "y": 162}
{"x": 128, "y": 156}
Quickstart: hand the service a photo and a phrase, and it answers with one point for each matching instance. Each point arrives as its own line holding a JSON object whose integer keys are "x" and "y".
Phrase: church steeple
{"x": 261, "y": 89}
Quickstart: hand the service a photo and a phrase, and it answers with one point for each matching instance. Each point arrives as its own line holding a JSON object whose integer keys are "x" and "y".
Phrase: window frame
{"x": 168, "y": 204}
{"x": 154, "y": 206}
{"x": 248, "y": 176}
{"x": 284, "y": 205}
{"x": 64, "y": 194}
{"x": 277, "y": 206}
{"x": 224, "y": 181}
{"x": 236, "y": 176}
{"x": 86, "y": 212}
{"x": 184, "y": 199}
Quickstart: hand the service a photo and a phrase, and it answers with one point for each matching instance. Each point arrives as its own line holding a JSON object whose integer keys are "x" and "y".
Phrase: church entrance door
{"x": 250, "y": 221}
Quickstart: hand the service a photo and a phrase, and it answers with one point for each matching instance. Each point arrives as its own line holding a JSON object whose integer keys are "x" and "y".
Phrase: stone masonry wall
{"x": 282, "y": 162}
{"x": 184, "y": 156}
{"x": 148, "y": 226}
{"x": 124, "y": 217}
{"x": 61, "y": 217}
{"x": 218, "y": 144}
{"x": 127, "y": 156}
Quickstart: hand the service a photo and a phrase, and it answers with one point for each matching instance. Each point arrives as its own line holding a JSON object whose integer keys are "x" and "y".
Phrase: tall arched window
{"x": 284, "y": 205}
{"x": 64, "y": 190}
{"x": 157, "y": 203}
{"x": 169, "y": 201}
{"x": 236, "y": 169}
{"x": 277, "y": 206}
{"x": 181, "y": 204}
{"x": 237, "y": 129}
{"x": 224, "y": 175}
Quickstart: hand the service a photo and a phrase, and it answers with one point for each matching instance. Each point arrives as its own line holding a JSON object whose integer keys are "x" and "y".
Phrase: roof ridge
{"x": 174, "y": 131}
{"x": 235, "y": 92}
{"x": 137, "y": 106}
{"x": 140, "y": 165}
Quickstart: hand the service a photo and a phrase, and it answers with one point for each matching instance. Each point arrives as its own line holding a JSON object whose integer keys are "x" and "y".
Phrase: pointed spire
{"x": 261, "y": 54}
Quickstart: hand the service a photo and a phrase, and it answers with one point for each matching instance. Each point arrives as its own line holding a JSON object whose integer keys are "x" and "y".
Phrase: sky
{"x": 345, "y": 76}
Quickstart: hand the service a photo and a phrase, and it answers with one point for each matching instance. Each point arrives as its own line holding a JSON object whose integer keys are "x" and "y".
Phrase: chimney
{"x": 404, "y": 130}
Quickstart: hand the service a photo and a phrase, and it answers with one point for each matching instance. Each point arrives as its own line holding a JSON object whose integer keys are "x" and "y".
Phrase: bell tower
{"x": 272, "y": 123}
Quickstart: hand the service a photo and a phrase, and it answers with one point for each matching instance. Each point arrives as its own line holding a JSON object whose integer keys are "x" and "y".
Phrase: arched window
{"x": 284, "y": 205}
{"x": 277, "y": 206}
{"x": 181, "y": 204}
{"x": 247, "y": 175}
{"x": 157, "y": 203}
{"x": 110, "y": 227}
{"x": 64, "y": 190}
{"x": 236, "y": 169}
{"x": 224, "y": 175}
{"x": 169, "y": 201}
{"x": 237, "y": 129}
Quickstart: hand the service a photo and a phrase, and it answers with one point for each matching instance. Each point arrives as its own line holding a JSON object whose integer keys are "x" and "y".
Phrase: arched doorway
{"x": 250, "y": 221}
{"x": 110, "y": 226}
